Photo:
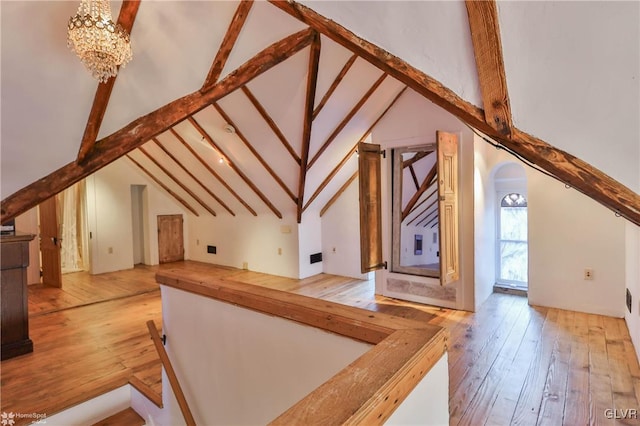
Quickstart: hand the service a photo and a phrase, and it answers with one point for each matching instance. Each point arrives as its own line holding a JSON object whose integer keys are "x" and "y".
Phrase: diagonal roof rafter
{"x": 142, "y": 129}
{"x": 255, "y": 153}
{"x": 212, "y": 171}
{"x": 126, "y": 18}
{"x": 192, "y": 176}
{"x": 312, "y": 80}
{"x": 163, "y": 186}
{"x": 229, "y": 40}
{"x": 234, "y": 167}
{"x": 171, "y": 176}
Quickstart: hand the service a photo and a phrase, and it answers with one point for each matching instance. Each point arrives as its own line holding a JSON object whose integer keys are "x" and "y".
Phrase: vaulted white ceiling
{"x": 572, "y": 70}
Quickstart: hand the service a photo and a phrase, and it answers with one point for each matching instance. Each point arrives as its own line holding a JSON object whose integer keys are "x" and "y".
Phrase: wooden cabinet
{"x": 14, "y": 312}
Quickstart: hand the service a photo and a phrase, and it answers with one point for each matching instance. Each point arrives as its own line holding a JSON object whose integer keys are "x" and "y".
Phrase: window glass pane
{"x": 513, "y": 261}
{"x": 513, "y": 223}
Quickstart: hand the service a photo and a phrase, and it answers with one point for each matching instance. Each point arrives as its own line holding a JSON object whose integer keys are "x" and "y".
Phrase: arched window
{"x": 512, "y": 240}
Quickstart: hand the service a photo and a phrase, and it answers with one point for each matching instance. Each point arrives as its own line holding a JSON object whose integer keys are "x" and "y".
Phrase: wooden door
{"x": 170, "y": 238}
{"x": 50, "y": 243}
{"x": 370, "y": 209}
{"x": 448, "y": 206}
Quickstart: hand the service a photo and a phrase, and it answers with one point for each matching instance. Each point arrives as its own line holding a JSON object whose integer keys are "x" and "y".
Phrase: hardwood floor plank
{"x": 504, "y": 405}
{"x": 554, "y": 393}
{"x": 530, "y": 399}
{"x": 509, "y": 363}
{"x": 493, "y": 366}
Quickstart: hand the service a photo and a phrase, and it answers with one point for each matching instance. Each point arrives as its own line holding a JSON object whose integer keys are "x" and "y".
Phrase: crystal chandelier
{"x": 101, "y": 44}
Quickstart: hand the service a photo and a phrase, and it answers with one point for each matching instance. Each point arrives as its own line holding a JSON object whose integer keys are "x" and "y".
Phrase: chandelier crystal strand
{"x": 101, "y": 44}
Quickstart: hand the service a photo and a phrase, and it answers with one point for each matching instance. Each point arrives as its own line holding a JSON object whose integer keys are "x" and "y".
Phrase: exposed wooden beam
{"x": 487, "y": 48}
{"x": 213, "y": 172}
{"x": 312, "y": 80}
{"x": 428, "y": 215}
{"x": 347, "y": 119}
{"x": 255, "y": 153}
{"x": 234, "y": 167}
{"x": 128, "y": 12}
{"x": 435, "y": 218}
{"x": 344, "y": 160}
{"x": 192, "y": 176}
{"x": 424, "y": 200}
{"x": 419, "y": 156}
{"x": 330, "y": 176}
{"x": 142, "y": 129}
{"x": 566, "y": 167}
{"x": 229, "y": 40}
{"x": 345, "y": 69}
{"x": 163, "y": 186}
{"x": 414, "y": 177}
{"x": 423, "y": 187}
{"x": 184, "y": 187}
{"x": 337, "y": 195}
{"x": 271, "y": 123}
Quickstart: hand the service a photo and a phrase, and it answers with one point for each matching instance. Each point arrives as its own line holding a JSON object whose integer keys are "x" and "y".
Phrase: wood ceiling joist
{"x": 338, "y": 193}
{"x": 234, "y": 167}
{"x": 142, "y": 129}
{"x": 487, "y": 49}
{"x": 128, "y": 12}
{"x": 424, "y": 200}
{"x": 229, "y": 40}
{"x": 334, "y": 85}
{"x": 192, "y": 176}
{"x": 171, "y": 176}
{"x": 312, "y": 80}
{"x": 212, "y": 172}
{"x": 347, "y": 119}
{"x": 411, "y": 161}
{"x": 163, "y": 186}
{"x": 255, "y": 153}
{"x": 428, "y": 214}
{"x": 330, "y": 176}
{"x": 423, "y": 187}
{"x": 271, "y": 123}
{"x": 414, "y": 177}
{"x": 435, "y": 218}
{"x": 566, "y": 167}
{"x": 344, "y": 160}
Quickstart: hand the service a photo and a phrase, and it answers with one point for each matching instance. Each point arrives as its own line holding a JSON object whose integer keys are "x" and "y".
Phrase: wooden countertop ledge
{"x": 369, "y": 389}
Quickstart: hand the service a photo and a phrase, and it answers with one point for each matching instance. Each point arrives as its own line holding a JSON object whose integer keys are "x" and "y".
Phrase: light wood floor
{"x": 509, "y": 363}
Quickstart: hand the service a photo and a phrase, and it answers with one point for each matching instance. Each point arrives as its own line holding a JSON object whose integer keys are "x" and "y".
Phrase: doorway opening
{"x": 512, "y": 246}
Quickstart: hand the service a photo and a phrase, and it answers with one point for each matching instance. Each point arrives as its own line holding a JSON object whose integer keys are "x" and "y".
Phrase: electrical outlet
{"x": 588, "y": 274}
{"x": 245, "y": 265}
{"x": 279, "y": 251}
{"x": 110, "y": 250}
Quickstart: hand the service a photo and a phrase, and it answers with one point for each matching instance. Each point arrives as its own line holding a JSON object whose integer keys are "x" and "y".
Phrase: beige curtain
{"x": 72, "y": 219}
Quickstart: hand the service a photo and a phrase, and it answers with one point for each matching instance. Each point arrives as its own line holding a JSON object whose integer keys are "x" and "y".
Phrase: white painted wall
{"x": 341, "y": 235}
{"x": 568, "y": 232}
{"x": 237, "y": 366}
{"x": 109, "y": 216}
{"x": 429, "y": 249}
{"x": 414, "y": 121}
{"x": 246, "y": 239}
{"x": 309, "y": 242}
{"x": 484, "y": 224}
{"x": 632, "y": 274}
{"x": 91, "y": 411}
{"x": 577, "y": 85}
{"x": 424, "y": 406}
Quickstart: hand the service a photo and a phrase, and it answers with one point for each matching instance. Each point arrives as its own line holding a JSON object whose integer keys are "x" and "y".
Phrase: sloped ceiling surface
{"x": 246, "y": 151}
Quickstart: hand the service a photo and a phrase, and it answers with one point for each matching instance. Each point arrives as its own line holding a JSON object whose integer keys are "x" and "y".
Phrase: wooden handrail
{"x": 369, "y": 389}
{"x": 171, "y": 374}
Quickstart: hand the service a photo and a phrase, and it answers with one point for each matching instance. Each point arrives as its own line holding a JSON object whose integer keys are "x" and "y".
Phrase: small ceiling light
{"x": 221, "y": 160}
{"x": 229, "y": 128}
